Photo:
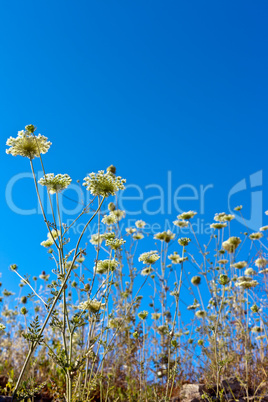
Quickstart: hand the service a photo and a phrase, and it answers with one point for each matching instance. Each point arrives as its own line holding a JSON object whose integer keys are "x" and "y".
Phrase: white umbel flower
{"x": 104, "y": 184}
{"x": 55, "y": 184}
{"x": 27, "y": 144}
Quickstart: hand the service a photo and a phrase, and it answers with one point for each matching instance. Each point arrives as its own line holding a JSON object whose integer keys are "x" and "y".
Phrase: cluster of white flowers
{"x": 187, "y": 215}
{"x": 131, "y": 230}
{"x": 218, "y": 225}
{"x": 115, "y": 244}
{"x": 55, "y": 184}
{"x": 181, "y": 223}
{"x": 104, "y": 266}
{"x": 93, "y": 306}
{"x": 27, "y": 144}
{"x": 118, "y": 214}
{"x": 184, "y": 241}
{"x": 231, "y": 244}
{"x": 245, "y": 282}
{"x": 239, "y": 264}
{"x": 138, "y": 236}
{"x": 96, "y": 239}
{"x": 147, "y": 271}
{"x": 104, "y": 184}
{"x": 54, "y": 234}
{"x": 223, "y": 217}
{"x": 164, "y": 236}
{"x": 156, "y": 316}
{"x": 193, "y": 306}
{"x": 109, "y": 219}
{"x": 176, "y": 258}
{"x": 140, "y": 224}
{"x": 255, "y": 236}
{"x": 2, "y": 327}
{"x": 250, "y": 271}
{"x": 150, "y": 257}
{"x": 200, "y": 314}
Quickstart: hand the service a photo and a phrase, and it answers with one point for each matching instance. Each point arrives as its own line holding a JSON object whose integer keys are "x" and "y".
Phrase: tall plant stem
{"x": 34, "y": 344}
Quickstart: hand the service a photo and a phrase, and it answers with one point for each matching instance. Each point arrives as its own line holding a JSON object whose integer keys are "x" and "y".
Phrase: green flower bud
{"x": 30, "y": 128}
{"x": 23, "y": 310}
{"x": 111, "y": 206}
{"x": 143, "y": 315}
{"x": 135, "y": 335}
{"x": 196, "y": 280}
{"x": 254, "y": 308}
{"x": 111, "y": 169}
{"x": 224, "y": 280}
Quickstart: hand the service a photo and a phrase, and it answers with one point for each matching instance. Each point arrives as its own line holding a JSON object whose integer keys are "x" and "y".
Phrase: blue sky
{"x": 150, "y": 86}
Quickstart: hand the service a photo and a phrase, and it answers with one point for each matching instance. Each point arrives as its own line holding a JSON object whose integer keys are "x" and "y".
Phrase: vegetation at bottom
{"x": 124, "y": 314}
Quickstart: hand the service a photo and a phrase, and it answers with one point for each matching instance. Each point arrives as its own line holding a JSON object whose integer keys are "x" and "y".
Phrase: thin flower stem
{"x": 54, "y": 303}
{"x": 41, "y": 205}
{"x": 25, "y": 281}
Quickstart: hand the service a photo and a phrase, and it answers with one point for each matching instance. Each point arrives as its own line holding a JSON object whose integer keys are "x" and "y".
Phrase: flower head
{"x": 164, "y": 236}
{"x": 92, "y": 305}
{"x": 223, "y": 217}
{"x": 187, "y": 215}
{"x": 150, "y": 257}
{"x": 104, "y": 266}
{"x": 143, "y": 315}
{"x": 115, "y": 244}
{"x": 175, "y": 258}
{"x": 200, "y": 314}
{"x": 261, "y": 262}
{"x": 181, "y": 223}
{"x": 246, "y": 283}
{"x": 140, "y": 224}
{"x": 156, "y": 316}
{"x": 53, "y": 234}
{"x": 193, "y": 306}
{"x": 224, "y": 280}
{"x": 138, "y": 236}
{"x": 55, "y": 184}
{"x": 131, "y": 230}
{"x": 118, "y": 214}
{"x": 239, "y": 264}
{"x": 104, "y": 184}
{"x": 238, "y": 208}
{"x": 146, "y": 271}
{"x": 96, "y": 239}
{"x": 27, "y": 144}
{"x": 223, "y": 261}
{"x": 250, "y": 271}
{"x": 255, "y": 236}
{"x": 47, "y": 243}
{"x": 218, "y": 225}
{"x": 231, "y": 244}
{"x": 184, "y": 241}
{"x": 256, "y": 329}
{"x": 109, "y": 219}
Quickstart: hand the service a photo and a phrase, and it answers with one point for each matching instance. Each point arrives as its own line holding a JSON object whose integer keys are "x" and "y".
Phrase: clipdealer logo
{"x": 153, "y": 199}
{"x": 254, "y": 187}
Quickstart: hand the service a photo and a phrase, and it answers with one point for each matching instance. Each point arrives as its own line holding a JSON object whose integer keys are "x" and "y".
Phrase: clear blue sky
{"x": 150, "y": 86}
